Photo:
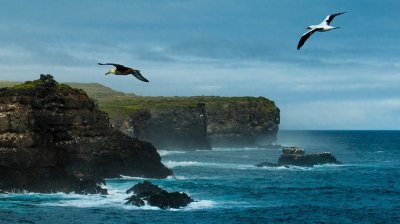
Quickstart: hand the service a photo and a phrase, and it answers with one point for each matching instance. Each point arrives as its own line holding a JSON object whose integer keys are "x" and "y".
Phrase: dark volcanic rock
{"x": 54, "y": 138}
{"x": 167, "y": 200}
{"x": 135, "y": 200}
{"x": 307, "y": 160}
{"x": 156, "y": 196}
{"x": 145, "y": 189}
{"x": 296, "y": 156}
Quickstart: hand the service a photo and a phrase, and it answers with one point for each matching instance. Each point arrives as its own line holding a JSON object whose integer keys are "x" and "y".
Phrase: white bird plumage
{"x": 322, "y": 27}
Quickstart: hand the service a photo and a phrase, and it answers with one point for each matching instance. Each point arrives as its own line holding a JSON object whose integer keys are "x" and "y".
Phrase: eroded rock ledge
{"x": 54, "y": 138}
{"x": 296, "y": 156}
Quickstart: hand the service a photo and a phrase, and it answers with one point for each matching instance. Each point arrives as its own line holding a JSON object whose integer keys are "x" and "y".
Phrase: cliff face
{"x": 204, "y": 122}
{"x": 243, "y": 123}
{"x": 54, "y": 138}
{"x": 172, "y": 128}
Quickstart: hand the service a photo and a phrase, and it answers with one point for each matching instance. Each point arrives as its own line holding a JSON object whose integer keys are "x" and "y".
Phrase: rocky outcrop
{"x": 54, "y": 138}
{"x": 155, "y": 196}
{"x": 296, "y": 156}
{"x": 204, "y": 122}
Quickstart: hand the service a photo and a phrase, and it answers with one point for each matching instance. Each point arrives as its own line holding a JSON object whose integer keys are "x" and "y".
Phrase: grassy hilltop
{"x": 119, "y": 104}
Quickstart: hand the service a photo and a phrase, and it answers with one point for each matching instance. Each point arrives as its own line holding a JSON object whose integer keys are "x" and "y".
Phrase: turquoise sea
{"x": 228, "y": 188}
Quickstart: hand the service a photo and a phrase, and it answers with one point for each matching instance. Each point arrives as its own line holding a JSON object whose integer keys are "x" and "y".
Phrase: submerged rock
{"x": 296, "y": 156}
{"x": 156, "y": 196}
{"x": 54, "y": 138}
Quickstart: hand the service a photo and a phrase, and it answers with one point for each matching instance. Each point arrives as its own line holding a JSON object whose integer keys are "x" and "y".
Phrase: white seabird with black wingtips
{"x": 122, "y": 70}
{"x": 323, "y": 27}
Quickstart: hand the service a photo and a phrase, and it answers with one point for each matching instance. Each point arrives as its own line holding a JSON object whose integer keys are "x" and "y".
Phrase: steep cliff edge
{"x": 242, "y": 122}
{"x": 180, "y": 127}
{"x": 54, "y": 138}
{"x": 189, "y": 123}
{"x": 192, "y": 123}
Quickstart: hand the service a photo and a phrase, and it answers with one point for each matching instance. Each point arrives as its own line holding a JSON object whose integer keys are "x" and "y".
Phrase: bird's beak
{"x": 107, "y": 73}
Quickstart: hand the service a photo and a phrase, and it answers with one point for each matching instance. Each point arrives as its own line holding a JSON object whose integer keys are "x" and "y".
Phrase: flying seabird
{"x": 323, "y": 27}
{"x": 122, "y": 70}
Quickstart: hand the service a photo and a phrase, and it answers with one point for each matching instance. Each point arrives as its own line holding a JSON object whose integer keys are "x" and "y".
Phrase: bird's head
{"x": 112, "y": 71}
{"x": 308, "y": 28}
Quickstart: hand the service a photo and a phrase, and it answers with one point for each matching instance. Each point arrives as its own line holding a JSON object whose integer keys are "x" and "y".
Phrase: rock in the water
{"x": 156, "y": 196}
{"x": 308, "y": 159}
{"x": 296, "y": 156}
{"x": 167, "y": 200}
{"x": 145, "y": 189}
{"x": 54, "y": 138}
{"x": 135, "y": 200}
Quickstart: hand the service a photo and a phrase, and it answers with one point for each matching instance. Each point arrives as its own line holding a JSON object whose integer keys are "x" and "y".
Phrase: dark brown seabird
{"x": 122, "y": 70}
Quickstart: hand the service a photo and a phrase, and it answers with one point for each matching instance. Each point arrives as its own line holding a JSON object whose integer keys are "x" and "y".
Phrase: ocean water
{"x": 228, "y": 188}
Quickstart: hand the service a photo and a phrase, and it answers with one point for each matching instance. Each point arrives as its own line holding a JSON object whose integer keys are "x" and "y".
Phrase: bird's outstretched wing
{"x": 329, "y": 18}
{"x": 304, "y": 38}
{"x": 139, "y": 76}
{"x": 117, "y": 66}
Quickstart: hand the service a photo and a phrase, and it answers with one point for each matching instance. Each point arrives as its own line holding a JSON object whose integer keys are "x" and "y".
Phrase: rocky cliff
{"x": 172, "y": 128}
{"x": 243, "y": 122}
{"x": 192, "y": 123}
{"x": 54, "y": 138}
{"x": 189, "y": 123}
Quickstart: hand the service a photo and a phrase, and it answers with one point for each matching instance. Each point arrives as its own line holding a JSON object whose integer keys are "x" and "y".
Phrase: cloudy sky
{"x": 348, "y": 78}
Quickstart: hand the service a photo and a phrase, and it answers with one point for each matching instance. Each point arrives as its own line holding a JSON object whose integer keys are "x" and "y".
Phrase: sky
{"x": 345, "y": 79}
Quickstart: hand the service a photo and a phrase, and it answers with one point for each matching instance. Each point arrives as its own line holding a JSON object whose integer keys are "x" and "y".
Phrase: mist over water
{"x": 228, "y": 188}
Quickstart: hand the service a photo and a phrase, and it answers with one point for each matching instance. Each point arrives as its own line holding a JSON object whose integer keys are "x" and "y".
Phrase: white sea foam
{"x": 297, "y": 168}
{"x": 172, "y": 164}
{"x": 202, "y": 204}
{"x": 234, "y": 149}
{"x": 115, "y": 199}
{"x": 176, "y": 177}
{"x": 329, "y": 165}
{"x": 168, "y": 152}
{"x": 133, "y": 178}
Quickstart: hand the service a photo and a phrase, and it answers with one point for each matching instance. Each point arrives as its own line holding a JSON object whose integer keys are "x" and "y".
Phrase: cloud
{"x": 229, "y": 48}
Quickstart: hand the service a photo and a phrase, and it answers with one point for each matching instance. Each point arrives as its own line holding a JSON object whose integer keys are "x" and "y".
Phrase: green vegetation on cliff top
{"x": 118, "y": 103}
{"x": 30, "y": 85}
